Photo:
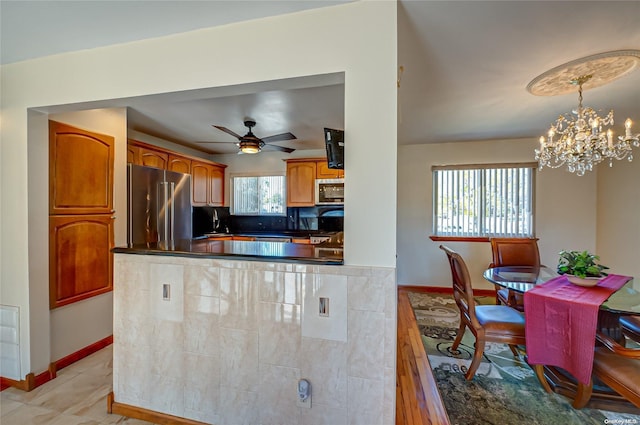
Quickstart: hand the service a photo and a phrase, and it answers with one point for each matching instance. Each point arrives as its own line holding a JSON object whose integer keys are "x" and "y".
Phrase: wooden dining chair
{"x": 513, "y": 252}
{"x": 618, "y": 367}
{"x": 488, "y": 323}
{"x": 630, "y": 326}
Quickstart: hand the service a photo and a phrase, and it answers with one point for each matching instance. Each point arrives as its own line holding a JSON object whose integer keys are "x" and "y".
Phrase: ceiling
{"x": 466, "y": 65}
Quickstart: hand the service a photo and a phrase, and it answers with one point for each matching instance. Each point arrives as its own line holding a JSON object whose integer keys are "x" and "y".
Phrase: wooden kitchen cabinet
{"x": 207, "y": 184}
{"x": 324, "y": 172}
{"x": 243, "y": 238}
{"x": 133, "y": 154}
{"x": 80, "y": 214}
{"x": 80, "y": 171}
{"x": 220, "y": 238}
{"x": 216, "y": 188}
{"x": 301, "y": 177}
{"x": 179, "y": 164}
{"x": 80, "y": 257}
{"x": 154, "y": 158}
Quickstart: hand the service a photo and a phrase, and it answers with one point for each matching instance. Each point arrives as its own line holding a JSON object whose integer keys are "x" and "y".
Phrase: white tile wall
{"x": 10, "y": 342}
{"x": 237, "y": 335}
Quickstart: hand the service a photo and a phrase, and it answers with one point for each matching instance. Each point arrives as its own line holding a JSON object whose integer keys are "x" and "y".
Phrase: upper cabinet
{"x": 80, "y": 171}
{"x": 301, "y": 175}
{"x": 207, "y": 184}
{"x": 324, "y": 172}
{"x": 154, "y": 158}
{"x": 207, "y": 177}
{"x": 133, "y": 154}
{"x": 179, "y": 163}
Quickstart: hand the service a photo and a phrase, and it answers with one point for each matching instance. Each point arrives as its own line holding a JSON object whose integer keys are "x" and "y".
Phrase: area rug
{"x": 504, "y": 390}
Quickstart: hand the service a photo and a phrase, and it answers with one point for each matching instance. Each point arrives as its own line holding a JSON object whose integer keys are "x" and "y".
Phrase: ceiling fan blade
{"x": 226, "y": 130}
{"x": 278, "y": 138}
{"x": 235, "y": 143}
{"x": 279, "y": 148}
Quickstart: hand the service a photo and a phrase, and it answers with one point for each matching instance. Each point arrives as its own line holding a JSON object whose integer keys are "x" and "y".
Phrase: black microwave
{"x": 329, "y": 191}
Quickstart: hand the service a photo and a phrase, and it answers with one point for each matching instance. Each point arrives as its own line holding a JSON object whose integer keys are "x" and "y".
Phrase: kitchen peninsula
{"x": 221, "y": 331}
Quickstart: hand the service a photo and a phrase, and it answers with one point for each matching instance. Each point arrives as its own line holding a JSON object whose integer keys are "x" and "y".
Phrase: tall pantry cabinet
{"x": 80, "y": 214}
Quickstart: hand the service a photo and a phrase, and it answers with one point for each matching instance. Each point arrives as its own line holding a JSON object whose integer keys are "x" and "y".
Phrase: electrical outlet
{"x": 304, "y": 394}
{"x": 323, "y": 307}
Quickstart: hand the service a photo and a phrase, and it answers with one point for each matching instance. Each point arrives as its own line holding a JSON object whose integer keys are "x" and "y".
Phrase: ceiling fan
{"x": 250, "y": 143}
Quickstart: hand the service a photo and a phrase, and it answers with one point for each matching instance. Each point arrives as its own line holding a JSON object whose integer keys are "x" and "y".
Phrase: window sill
{"x": 459, "y": 238}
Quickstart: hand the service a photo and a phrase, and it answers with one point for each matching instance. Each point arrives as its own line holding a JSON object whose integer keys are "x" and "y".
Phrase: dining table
{"x": 624, "y": 299}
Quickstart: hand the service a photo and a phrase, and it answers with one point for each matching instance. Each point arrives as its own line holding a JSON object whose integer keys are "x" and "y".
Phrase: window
{"x": 259, "y": 195}
{"x": 483, "y": 200}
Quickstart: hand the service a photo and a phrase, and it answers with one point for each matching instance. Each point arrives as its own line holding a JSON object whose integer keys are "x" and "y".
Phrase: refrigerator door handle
{"x": 163, "y": 219}
{"x": 172, "y": 188}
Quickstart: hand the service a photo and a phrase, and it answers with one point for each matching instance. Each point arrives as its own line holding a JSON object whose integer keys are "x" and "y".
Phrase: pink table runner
{"x": 561, "y": 320}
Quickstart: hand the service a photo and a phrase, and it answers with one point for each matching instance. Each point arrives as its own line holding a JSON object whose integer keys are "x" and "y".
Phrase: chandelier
{"x": 581, "y": 140}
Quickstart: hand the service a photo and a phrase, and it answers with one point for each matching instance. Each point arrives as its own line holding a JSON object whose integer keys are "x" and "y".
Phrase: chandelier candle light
{"x": 578, "y": 140}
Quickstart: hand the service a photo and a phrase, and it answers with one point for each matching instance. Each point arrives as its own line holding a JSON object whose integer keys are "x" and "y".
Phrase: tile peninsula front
{"x": 225, "y": 341}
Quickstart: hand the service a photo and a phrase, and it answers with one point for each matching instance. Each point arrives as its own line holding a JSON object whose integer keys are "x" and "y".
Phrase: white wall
{"x": 565, "y": 215}
{"x": 618, "y": 242}
{"x": 296, "y": 45}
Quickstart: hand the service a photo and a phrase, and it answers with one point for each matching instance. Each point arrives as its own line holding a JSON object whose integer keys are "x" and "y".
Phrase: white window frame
{"x": 257, "y": 175}
{"x": 513, "y": 213}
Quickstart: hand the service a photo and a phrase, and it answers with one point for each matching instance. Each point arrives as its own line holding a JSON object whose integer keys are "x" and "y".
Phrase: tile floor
{"x": 78, "y": 396}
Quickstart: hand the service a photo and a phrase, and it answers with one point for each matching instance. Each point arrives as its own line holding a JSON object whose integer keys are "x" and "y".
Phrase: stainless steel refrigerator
{"x": 159, "y": 204}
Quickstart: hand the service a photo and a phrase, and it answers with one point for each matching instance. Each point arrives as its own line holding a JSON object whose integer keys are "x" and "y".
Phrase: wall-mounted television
{"x": 334, "y": 142}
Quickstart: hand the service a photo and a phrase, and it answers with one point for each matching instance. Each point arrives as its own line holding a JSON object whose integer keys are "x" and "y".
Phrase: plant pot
{"x": 586, "y": 281}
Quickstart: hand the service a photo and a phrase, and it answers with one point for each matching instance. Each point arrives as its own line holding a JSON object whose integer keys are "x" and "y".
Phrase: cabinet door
{"x": 152, "y": 158}
{"x": 80, "y": 171}
{"x": 199, "y": 183}
{"x": 216, "y": 189}
{"x": 324, "y": 172}
{"x": 179, "y": 164}
{"x": 301, "y": 184}
{"x": 80, "y": 258}
{"x": 133, "y": 154}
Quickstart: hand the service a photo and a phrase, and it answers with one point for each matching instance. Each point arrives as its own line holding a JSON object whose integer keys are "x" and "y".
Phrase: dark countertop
{"x": 272, "y": 233}
{"x": 240, "y": 250}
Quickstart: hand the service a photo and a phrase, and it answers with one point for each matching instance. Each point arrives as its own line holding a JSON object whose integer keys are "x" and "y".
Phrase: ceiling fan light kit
{"x": 250, "y": 147}
{"x": 580, "y": 140}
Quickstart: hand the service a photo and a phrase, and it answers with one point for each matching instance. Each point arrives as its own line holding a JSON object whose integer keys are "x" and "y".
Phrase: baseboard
{"x": 83, "y": 352}
{"x": 446, "y": 290}
{"x": 144, "y": 414}
{"x": 33, "y": 381}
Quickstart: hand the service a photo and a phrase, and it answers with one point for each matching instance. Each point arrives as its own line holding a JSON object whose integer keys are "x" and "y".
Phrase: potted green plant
{"x": 582, "y": 265}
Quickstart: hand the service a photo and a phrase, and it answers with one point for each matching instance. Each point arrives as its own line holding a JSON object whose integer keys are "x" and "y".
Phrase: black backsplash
{"x": 322, "y": 219}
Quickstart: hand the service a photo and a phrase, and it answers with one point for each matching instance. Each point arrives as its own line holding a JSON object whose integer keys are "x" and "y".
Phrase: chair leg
{"x": 459, "y": 335}
{"x": 539, "y": 369}
{"x": 497, "y": 297}
{"x": 514, "y": 350}
{"x": 477, "y": 356}
{"x": 583, "y": 395}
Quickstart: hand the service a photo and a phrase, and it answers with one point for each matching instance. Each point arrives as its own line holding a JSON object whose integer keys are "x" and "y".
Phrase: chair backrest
{"x": 515, "y": 252}
{"x": 462, "y": 290}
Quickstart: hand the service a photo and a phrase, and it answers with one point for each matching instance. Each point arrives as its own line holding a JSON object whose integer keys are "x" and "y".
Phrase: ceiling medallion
{"x": 578, "y": 140}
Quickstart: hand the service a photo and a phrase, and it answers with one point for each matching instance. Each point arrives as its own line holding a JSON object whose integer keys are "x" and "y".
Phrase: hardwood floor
{"x": 418, "y": 401}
